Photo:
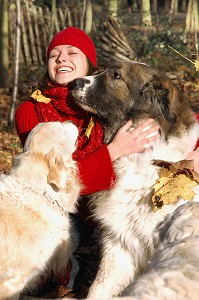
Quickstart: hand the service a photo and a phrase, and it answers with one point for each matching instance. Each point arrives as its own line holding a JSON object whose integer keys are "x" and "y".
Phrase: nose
{"x": 80, "y": 82}
{"x": 62, "y": 57}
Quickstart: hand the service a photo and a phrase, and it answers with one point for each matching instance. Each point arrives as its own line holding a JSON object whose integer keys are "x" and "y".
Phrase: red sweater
{"x": 96, "y": 169}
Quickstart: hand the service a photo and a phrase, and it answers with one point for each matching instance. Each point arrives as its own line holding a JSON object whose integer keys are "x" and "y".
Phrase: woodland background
{"x": 161, "y": 33}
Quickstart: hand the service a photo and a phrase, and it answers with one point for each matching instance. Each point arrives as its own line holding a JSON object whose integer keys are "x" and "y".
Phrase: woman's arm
{"x": 96, "y": 170}
{"x": 25, "y": 120}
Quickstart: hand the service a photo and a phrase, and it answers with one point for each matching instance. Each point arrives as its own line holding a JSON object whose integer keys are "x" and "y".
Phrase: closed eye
{"x": 53, "y": 55}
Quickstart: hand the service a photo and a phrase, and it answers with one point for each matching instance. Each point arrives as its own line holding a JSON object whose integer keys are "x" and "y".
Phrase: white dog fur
{"x": 128, "y": 218}
{"x": 35, "y": 199}
{"x": 173, "y": 272}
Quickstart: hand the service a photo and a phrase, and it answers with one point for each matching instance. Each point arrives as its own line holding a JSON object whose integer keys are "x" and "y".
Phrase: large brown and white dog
{"x": 35, "y": 201}
{"x": 134, "y": 91}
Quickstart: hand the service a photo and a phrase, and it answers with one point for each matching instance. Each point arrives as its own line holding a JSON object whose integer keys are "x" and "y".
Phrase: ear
{"x": 164, "y": 95}
{"x": 57, "y": 173}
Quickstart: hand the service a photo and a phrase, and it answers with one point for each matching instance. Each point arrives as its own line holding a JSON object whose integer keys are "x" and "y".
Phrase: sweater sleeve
{"x": 25, "y": 120}
{"x": 96, "y": 170}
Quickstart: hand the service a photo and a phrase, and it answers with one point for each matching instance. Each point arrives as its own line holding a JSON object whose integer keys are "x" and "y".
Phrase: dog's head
{"x": 47, "y": 157}
{"x": 133, "y": 91}
{"x": 49, "y": 135}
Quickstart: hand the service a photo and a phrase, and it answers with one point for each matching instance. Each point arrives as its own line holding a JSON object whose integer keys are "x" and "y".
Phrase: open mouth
{"x": 64, "y": 69}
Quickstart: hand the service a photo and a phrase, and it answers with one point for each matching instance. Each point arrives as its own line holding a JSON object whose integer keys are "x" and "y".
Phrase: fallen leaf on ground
{"x": 175, "y": 181}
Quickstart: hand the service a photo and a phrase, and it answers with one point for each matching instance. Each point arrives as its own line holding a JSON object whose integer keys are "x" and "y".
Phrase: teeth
{"x": 64, "y": 69}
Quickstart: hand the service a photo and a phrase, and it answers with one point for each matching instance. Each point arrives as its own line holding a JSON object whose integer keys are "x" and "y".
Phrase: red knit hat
{"x": 77, "y": 38}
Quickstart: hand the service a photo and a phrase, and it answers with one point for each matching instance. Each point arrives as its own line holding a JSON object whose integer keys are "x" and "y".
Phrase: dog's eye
{"x": 116, "y": 75}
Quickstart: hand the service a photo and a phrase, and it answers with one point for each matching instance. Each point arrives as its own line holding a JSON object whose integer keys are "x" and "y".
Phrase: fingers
{"x": 148, "y": 124}
{"x": 145, "y": 133}
{"x": 130, "y": 140}
{"x": 126, "y": 126}
{"x": 151, "y": 132}
{"x": 148, "y": 129}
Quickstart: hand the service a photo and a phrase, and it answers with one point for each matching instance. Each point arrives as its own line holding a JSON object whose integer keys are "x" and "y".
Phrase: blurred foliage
{"x": 153, "y": 48}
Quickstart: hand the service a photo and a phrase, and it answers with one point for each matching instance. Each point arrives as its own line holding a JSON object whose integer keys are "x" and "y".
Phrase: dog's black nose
{"x": 77, "y": 83}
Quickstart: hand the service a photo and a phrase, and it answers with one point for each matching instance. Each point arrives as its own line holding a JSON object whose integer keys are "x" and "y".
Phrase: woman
{"x": 72, "y": 54}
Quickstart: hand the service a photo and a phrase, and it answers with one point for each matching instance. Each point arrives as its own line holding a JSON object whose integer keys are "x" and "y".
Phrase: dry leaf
{"x": 180, "y": 167}
{"x": 175, "y": 181}
{"x": 177, "y": 187}
{"x": 164, "y": 172}
{"x": 196, "y": 65}
{"x": 39, "y": 97}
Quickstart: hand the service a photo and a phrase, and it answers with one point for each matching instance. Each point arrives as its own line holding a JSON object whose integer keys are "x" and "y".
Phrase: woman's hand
{"x": 128, "y": 141}
{"x": 194, "y": 155}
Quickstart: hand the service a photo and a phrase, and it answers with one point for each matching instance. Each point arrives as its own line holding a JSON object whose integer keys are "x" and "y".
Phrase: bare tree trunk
{"x": 16, "y": 67}
{"x": 4, "y": 55}
{"x": 38, "y": 42}
{"x": 146, "y": 13}
{"x": 113, "y": 8}
{"x": 44, "y": 32}
{"x": 53, "y": 15}
{"x": 25, "y": 43}
{"x": 89, "y": 17}
{"x": 83, "y": 15}
{"x": 182, "y": 5}
{"x": 192, "y": 18}
{"x": 154, "y": 5}
{"x": 27, "y": 10}
{"x": 172, "y": 10}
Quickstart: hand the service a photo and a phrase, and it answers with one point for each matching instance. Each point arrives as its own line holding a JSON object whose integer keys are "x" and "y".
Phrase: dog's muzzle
{"x": 80, "y": 83}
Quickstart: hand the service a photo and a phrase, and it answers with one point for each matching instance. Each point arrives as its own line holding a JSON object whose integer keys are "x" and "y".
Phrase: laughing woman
{"x": 72, "y": 54}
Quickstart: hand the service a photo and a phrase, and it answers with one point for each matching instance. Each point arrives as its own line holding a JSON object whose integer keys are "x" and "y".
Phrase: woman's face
{"x": 66, "y": 63}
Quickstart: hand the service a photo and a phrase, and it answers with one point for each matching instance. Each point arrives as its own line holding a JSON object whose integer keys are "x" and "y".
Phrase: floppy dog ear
{"x": 163, "y": 94}
{"x": 57, "y": 173}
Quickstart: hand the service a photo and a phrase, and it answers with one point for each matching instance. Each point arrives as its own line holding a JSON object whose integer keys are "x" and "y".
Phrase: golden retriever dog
{"x": 36, "y": 198}
{"x": 135, "y": 91}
